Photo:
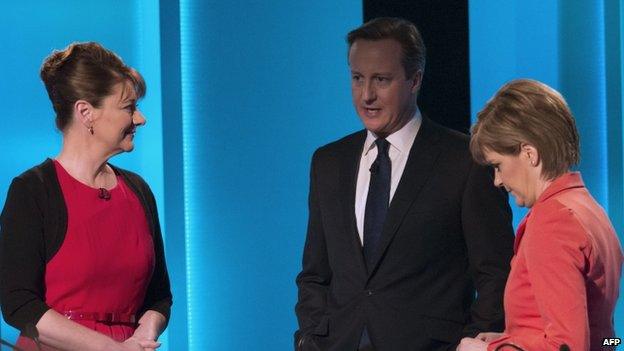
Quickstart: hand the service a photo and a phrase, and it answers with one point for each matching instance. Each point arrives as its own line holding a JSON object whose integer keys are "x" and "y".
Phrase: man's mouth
{"x": 372, "y": 112}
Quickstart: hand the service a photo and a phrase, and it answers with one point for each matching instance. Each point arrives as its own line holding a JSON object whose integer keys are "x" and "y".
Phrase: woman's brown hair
{"x": 526, "y": 111}
{"x": 84, "y": 71}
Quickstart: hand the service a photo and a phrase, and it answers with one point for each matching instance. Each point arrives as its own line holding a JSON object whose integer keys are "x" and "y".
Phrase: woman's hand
{"x": 135, "y": 344}
{"x": 144, "y": 334}
{"x": 472, "y": 344}
{"x": 489, "y": 336}
{"x": 150, "y": 326}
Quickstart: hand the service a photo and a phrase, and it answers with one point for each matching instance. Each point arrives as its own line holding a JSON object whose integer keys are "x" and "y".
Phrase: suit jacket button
{"x": 369, "y": 293}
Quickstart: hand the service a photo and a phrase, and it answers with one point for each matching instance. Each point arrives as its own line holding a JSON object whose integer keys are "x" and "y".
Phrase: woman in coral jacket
{"x": 565, "y": 273}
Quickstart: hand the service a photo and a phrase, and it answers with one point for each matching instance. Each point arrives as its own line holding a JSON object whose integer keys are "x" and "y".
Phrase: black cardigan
{"x": 32, "y": 228}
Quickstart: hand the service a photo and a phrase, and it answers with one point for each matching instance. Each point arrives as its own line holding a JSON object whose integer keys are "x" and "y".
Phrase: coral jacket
{"x": 565, "y": 273}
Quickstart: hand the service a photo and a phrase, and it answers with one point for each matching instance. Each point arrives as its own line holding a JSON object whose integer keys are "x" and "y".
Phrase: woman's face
{"x": 117, "y": 118}
{"x": 516, "y": 174}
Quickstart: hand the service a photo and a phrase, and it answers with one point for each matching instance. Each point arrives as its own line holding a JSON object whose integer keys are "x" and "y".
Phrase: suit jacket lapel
{"x": 418, "y": 169}
{"x": 348, "y": 184}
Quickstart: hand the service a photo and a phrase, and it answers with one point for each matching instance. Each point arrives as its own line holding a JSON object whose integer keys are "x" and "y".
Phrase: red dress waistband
{"x": 109, "y": 317}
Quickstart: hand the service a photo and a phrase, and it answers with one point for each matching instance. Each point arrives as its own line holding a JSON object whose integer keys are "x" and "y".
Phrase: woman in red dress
{"x": 565, "y": 272}
{"x": 82, "y": 259}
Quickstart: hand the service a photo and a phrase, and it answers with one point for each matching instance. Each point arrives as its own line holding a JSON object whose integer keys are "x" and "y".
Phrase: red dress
{"x": 106, "y": 260}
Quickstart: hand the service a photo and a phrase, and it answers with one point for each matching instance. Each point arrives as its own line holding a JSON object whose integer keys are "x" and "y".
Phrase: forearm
{"x": 61, "y": 333}
{"x": 151, "y": 325}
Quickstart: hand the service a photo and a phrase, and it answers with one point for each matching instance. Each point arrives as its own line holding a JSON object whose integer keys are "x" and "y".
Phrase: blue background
{"x": 240, "y": 93}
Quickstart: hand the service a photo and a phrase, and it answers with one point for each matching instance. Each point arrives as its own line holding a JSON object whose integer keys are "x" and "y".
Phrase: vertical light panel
{"x": 263, "y": 84}
{"x": 195, "y": 309}
{"x": 175, "y": 245}
{"x": 613, "y": 58}
{"x": 583, "y": 83}
{"x": 613, "y": 76}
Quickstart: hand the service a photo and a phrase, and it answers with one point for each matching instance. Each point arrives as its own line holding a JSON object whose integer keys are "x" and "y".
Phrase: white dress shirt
{"x": 401, "y": 143}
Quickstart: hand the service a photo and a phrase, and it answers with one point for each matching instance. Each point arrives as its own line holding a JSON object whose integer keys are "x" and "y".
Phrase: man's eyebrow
{"x": 373, "y": 74}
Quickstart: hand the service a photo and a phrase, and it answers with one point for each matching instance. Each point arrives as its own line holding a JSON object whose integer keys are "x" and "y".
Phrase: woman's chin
{"x": 127, "y": 144}
{"x": 519, "y": 201}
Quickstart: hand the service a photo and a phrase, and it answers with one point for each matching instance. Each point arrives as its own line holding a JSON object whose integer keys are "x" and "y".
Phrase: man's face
{"x": 384, "y": 98}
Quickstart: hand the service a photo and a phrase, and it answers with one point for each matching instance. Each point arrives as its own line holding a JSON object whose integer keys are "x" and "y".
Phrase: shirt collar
{"x": 402, "y": 139}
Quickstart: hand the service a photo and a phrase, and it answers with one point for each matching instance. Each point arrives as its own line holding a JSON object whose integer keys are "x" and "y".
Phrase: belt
{"x": 109, "y": 317}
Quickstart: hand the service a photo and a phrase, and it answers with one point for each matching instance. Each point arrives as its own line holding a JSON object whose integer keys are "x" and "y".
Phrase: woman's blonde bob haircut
{"x": 526, "y": 111}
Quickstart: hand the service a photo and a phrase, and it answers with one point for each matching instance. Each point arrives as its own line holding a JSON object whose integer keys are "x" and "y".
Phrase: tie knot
{"x": 382, "y": 146}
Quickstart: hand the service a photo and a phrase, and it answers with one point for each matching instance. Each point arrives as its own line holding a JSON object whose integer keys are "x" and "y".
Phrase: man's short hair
{"x": 530, "y": 112}
{"x": 403, "y": 31}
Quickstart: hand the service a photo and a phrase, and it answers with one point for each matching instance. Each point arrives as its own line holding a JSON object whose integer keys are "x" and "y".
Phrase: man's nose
{"x": 369, "y": 94}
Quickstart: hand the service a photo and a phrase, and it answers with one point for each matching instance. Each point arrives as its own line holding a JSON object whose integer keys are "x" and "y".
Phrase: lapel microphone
{"x": 104, "y": 194}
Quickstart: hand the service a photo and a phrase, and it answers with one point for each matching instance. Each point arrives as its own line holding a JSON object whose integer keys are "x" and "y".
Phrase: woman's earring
{"x": 91, "y": 130}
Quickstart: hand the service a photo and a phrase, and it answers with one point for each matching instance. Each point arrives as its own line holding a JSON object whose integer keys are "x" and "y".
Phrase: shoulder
{"x": 453, "y": 152}
{"x": 137, "y": 184}
{"x": 343, "y": 146}
{"x": 448, "y": 138}
{"x": 38, "y": 177}
{"x": 40, "y": 173}
{"x": 554, "y": 227}
{"x": 550, "y": 213}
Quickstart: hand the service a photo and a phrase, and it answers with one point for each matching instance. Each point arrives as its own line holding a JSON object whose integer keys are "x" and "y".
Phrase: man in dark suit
{"x": 408, "y": 243}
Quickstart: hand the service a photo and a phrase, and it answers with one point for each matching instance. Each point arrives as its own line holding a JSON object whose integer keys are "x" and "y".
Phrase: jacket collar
{"x": 564, "y": 182}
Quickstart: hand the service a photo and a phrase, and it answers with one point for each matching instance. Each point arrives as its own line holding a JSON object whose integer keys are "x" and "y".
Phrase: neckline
{"x": 87, "y": 186}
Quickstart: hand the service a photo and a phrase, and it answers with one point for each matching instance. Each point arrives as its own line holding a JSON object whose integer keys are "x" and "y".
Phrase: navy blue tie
{"x": 377, "y": 200}
{"x": 375, "y": 213}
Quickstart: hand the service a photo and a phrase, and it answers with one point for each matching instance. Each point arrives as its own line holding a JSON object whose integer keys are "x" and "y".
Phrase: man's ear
{"x": 416, "y": 81}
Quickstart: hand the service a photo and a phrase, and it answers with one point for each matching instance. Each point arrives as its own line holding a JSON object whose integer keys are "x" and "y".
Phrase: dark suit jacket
{"x": 447, "y": 233}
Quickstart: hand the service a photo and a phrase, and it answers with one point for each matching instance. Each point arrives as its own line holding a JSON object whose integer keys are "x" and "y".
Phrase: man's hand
{"x": 472, "y": 344}
{"x": 489, "y": 336}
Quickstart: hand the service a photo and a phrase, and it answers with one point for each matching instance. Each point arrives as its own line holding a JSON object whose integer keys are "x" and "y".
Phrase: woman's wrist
{"x": 152, "y": 323}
